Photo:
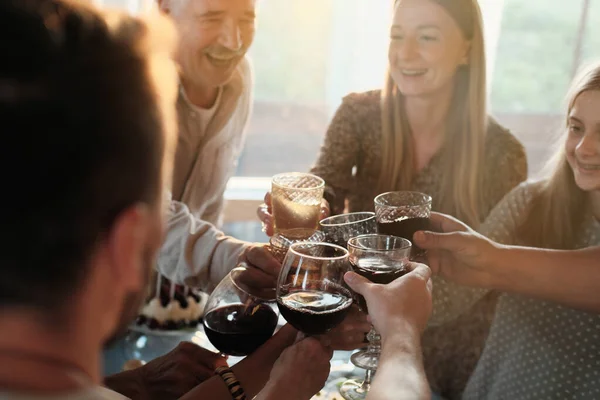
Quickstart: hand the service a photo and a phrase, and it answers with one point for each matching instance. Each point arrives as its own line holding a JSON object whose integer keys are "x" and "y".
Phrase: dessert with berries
{"x": 172, "y": 307}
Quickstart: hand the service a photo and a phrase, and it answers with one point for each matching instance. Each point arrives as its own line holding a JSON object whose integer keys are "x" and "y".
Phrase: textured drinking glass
{"x": 296, "y": 201}
{"x": 381, "y": 259}
{"x": 281, "y": 242}
{"x": 402, "y": 214}
{"x": 311, "y": 295}
{"x": 341, "y": 228}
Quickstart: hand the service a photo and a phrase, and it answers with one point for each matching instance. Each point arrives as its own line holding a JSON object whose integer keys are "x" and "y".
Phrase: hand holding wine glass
{"x": 460, "y": 254}
{"x": 405, "y": 302}
{"x": 399, "y": 311}
{"x": 380, "y": 258}
{"x": 262, "y": 267}
{"x": 350, "y": 334}
{"x": 300, "y": 372}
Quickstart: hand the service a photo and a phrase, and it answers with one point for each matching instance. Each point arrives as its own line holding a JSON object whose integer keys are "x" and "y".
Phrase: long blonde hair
{"x": 559, "y": 208}
{"x": 466, "y": 126}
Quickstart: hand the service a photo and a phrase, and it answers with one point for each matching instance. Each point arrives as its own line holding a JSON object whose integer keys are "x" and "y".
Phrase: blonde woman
{"x": 428, "y": 131}
{"x": 544, "y": 343}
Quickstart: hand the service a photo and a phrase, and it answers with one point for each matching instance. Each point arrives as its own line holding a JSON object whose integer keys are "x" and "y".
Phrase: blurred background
{"x": 308, "y": 54}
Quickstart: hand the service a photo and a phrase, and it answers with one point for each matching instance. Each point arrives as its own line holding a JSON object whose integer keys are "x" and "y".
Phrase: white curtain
{"x": 492, "y": 20}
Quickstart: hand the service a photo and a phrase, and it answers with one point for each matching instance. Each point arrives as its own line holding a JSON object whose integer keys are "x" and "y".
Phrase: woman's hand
{"x": 458, "y": 253}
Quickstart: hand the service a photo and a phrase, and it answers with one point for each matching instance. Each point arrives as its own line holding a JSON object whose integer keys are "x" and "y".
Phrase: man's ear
{"x": 128, "y": 242}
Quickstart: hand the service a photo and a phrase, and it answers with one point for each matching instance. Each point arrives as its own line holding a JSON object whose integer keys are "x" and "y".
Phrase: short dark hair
{"x": 82, "y": 141}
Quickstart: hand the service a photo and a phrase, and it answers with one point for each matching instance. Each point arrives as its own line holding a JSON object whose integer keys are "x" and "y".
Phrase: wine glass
{"x": 311, "y": 295}
{"x": 340, "y": 228}
{"x": 240, "y": 317}
{"x": 381, "y": 259}
{"x": 402, "y": 214}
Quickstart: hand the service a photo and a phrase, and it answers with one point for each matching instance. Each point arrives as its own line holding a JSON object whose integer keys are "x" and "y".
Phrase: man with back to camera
{"x": 213, "y": 106}
{"x": 77, "y": 247}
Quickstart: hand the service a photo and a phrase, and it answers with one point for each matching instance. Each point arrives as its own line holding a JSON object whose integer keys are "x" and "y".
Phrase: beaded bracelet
{"x": 234, "y": 386}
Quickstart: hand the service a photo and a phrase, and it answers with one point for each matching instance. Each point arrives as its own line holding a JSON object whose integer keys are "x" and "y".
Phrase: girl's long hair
{"x": 559, "y": 207}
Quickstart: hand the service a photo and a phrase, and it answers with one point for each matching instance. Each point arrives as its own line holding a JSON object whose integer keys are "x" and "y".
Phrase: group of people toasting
{"x": 131, "y": 132}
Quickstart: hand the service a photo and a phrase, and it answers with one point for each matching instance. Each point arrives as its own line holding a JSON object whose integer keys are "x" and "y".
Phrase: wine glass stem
{"x": 368, "y": 379}
{"x": 374, "y": 341}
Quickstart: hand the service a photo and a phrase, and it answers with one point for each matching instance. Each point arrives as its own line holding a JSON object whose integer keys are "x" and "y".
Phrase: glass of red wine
{"x": 402, "y": 214}
{"x": 340, "y": 228}
{"x": 381, "y": 259}
{"x": 240, "y": 317}
{"x": 311, "y": 295}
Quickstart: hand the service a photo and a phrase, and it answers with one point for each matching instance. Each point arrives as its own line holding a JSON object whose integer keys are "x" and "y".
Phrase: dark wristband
{"x": 234, "y": 386}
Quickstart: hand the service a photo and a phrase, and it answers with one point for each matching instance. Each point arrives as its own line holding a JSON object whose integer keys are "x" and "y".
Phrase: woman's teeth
{"x": 221, "y": 58}
{"x": 588, "y": 167}
{"x": 413, "y": 72}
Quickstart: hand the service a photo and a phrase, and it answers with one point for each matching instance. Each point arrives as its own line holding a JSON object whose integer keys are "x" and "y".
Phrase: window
{"x": 541, "y": 46}
{"x": 308, "y": 54}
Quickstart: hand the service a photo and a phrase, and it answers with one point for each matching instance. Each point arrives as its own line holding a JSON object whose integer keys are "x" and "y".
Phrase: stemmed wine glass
{"x": 311, "y": 295}
{"x": 340, "y": 228}
{"x": 240, "y": 317}
{"x": 381, "y": 259}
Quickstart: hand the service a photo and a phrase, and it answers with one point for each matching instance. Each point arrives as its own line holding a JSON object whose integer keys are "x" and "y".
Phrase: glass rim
{"x": 371, "y": 215}
{"x": 320, "y": 235}
{"x": 323, "y": 244}
{"x": 406, "y": 244}
{"x": 298, "y": 174}
{"x": 427, "y": 199}
{"x": 242, "y": 267}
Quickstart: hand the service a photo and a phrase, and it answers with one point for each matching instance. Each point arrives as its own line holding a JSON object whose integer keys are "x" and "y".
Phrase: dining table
{"x": 144, "y": 344}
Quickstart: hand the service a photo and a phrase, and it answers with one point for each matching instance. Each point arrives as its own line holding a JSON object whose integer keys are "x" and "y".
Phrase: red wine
{"x": 238, "y": 330}
{"x": 405, "y": 227}
{"x": 374, "y": 270}
{"x": 315, "y": 312}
